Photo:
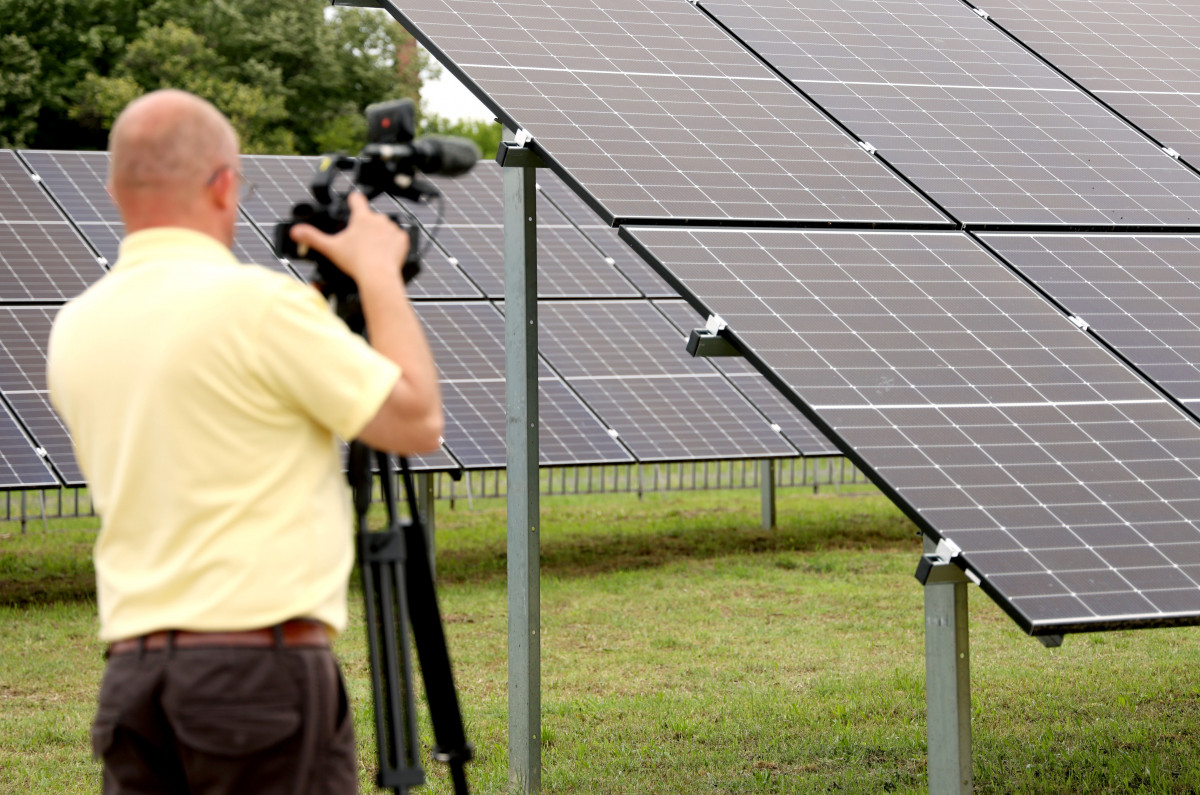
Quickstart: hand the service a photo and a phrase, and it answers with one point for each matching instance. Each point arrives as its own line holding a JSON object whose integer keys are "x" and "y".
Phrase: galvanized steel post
{"x": 524, "y": 540}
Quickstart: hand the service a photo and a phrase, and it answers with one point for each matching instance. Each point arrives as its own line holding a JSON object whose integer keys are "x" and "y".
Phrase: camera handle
{"x": 397, "y": 583}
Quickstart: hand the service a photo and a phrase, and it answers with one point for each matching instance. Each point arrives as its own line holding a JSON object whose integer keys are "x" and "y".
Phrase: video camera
{"x": 392, "y": 163}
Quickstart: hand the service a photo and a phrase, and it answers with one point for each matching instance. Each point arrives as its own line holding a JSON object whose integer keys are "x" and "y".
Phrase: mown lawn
{"x": 684, "y": 650}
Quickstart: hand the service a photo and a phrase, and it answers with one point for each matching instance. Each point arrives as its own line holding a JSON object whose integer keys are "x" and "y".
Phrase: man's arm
{"x": 370, "y": 250}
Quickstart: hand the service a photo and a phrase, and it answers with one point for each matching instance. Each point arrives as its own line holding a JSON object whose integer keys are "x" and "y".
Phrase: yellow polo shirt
{"x": 204, "y": 398}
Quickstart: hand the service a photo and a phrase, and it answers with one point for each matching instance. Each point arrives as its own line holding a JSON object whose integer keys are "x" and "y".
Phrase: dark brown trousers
{"x": 219, "y": 720}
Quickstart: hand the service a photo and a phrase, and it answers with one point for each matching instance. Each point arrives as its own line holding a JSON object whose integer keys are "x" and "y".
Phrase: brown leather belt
{"x": 297, "y": 633}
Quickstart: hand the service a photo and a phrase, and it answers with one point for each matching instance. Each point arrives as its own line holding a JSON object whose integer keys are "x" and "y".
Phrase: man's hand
{"x": 369, "y": 249}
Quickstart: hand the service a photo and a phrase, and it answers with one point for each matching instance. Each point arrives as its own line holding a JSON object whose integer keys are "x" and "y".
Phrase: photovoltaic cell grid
{"x": 985, "y": 128}
{"x": 795, "y": 427}
{"x": 468, "y": 345}
{"x": 24, "y": 333}
{"x": 77, "y": 181}
{"x": 1142, "y": 58}
{"x": 1141, "y": 294}
{"x": 41, "y": 256}
{"x": 623, "y": 359}
{"x": 658, "y": 114}
{"x": 282, "y": 182}
{"x": 552, "y": 190}
{"x": 1068, "y": 482}
{"x": 20, "y": 465}
{"x": 472, "y": 231}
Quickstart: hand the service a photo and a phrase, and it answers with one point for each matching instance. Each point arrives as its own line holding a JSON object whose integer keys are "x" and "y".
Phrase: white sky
{"x": 450, "y": 99}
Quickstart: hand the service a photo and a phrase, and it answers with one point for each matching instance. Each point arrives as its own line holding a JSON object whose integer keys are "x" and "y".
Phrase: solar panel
{"x": 41, "y": 256}
{"x": 1142, "y": 58}
{"x": 44, "y": 262}
{"x": 439, "y": 460}
{"x": 602, "y": 236}
{"x": 472, "y": 231}
{"x": 24, "y": 333}
{"x": 986, "y": 129}
{"x": 20, "y": 465}
{"x": 625, "y": 360}
{"x": 656, "y": 113}
{"x": 282, "y": 182}
{"x": 1139, "y": 293}
{"x": 467, "y": 340}
{"x": 20, "y": 199}
{"x": 794, "y": 426}
{"x": 77, "y": 181}
{"x": 1068, "y": 482}
{"x": 48, "y": 432}
{"x": 568, "y": 265}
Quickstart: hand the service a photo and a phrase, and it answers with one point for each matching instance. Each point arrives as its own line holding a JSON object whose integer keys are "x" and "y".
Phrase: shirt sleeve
{"x": 315, "y": 363}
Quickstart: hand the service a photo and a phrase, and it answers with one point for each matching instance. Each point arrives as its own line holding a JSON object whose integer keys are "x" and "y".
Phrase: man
{"x": 204, "y": 398}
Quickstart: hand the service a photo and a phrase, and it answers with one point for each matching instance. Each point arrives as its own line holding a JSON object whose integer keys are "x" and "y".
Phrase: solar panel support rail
{"x": 521, "y": 442}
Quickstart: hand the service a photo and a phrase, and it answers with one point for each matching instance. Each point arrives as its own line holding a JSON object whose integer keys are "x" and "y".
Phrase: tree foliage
{"x": 487, "y": 134}
{"x": 293, "y": 76}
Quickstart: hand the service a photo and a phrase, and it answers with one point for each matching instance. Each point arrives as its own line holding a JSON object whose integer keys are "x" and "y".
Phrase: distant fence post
{"x": 766, "y": 483}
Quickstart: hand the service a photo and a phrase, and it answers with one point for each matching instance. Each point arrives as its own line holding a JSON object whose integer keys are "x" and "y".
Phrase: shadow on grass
{"x": 43, "y": 568}
{"x": 580, "y": 538}
{"x": 578, "y": 544}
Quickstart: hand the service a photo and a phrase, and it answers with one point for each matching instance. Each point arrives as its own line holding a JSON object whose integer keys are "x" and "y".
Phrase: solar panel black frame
{"x": 704, "y": 89}
{"x": 1122, "y": 477}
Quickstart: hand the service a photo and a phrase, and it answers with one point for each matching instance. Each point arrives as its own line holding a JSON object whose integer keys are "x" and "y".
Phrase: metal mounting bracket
{"x": 937, "y": 568}
{"x": 513, "y": 155}
{"x": 708, "y": 342}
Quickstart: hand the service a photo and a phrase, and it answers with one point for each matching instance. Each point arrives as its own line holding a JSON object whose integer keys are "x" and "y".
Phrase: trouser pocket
{"x": 235, "y": 729}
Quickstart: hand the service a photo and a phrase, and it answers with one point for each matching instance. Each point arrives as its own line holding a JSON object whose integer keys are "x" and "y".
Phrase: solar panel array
{"x": 986, "y": 129}
{"x": 1022, "y": 384}
{"x": 77, "y": 181}
{"x": 652, "y": 112}
{"x": 986, "y": 412}
{"x": 458, "y": 296}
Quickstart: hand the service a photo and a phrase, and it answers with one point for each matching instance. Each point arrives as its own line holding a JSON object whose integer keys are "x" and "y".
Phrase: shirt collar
{"x": 171, "y": 243}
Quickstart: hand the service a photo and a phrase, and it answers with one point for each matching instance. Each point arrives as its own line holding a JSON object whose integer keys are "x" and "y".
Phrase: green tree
{"x": 20, "y": 100}
{"x": 293, "y": 77}
{"x": 487, "y": 134}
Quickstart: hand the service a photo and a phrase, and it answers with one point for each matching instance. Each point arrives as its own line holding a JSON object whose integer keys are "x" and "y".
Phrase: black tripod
{"x": 397, "y": 584}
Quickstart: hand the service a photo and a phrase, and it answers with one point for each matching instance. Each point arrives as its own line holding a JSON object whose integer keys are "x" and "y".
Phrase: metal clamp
{"x": 937, "y": 567}
{"x": 708, "y": 341}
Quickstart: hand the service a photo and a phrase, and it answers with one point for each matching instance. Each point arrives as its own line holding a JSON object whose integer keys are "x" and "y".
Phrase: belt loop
{"x": 278, "y": 630}
{"x": 170, "y": 643}
{"x": 141, "y": 647}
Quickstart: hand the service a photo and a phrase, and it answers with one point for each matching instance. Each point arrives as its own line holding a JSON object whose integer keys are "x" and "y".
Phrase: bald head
{"x": 165, "y": 149}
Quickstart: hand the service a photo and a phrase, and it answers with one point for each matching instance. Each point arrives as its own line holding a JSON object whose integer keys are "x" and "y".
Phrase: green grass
{"x": 686, "y": 650}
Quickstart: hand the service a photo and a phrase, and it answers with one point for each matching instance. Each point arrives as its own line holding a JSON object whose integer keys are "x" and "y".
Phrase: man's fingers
{"x": 357, "y": 202}
{"x": 307, "y": 237}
